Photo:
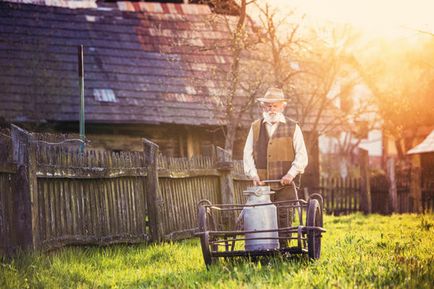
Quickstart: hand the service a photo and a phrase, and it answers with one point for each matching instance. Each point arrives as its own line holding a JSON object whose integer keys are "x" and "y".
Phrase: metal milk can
{"x": 262, "y": 217}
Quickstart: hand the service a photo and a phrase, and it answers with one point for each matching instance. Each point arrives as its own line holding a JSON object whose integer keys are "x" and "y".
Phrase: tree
{"x": 401, "y": 76}
{"x": 238, "y": 81}
{"x": 282, "y": 52}
{"x": 310, "y": 64}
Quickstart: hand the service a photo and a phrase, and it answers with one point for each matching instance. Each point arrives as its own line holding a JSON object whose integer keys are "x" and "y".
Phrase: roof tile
{"x": 150, "y": 56}
{"x": 125, "y": 6}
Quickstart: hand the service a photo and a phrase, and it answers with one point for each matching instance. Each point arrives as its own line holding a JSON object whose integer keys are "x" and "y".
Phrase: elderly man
{"x": 275, "y": 150}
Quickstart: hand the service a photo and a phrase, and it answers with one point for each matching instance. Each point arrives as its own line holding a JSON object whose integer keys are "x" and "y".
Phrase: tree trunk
{"x": 233, "y": 118}
{"x": 230, "y": 137}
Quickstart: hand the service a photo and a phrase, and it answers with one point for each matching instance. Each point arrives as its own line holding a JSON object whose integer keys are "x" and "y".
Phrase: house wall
{"x": 173, "y": 140}
{"x": 427, "y": 165}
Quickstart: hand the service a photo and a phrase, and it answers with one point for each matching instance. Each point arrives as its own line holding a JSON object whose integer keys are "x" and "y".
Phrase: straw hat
{"x": 273, "y": 95}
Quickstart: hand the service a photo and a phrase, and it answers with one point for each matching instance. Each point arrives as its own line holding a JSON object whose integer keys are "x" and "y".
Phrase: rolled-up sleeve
{"x": 301, "y": 160}
{"x": 248, "y": 161}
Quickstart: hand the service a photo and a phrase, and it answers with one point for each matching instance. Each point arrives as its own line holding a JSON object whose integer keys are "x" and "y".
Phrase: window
{"x": 104, "y": 95}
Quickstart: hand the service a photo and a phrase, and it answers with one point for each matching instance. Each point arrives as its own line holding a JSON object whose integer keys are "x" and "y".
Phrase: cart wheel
{"x": 314, "y": 218}
{"x": 206, "y": 223}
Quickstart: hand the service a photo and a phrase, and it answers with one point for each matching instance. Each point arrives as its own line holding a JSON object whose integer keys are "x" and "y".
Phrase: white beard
{"x": 272, "y": 118}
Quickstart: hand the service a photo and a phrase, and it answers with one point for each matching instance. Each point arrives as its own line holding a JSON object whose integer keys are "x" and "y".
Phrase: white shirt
{"x": 300, "y": 160}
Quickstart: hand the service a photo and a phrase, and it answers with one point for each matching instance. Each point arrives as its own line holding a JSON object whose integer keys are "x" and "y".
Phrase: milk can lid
{"x": 258, "y": 190}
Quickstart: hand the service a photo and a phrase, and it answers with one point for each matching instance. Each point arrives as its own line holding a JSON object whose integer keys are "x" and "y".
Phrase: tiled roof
{"x": 426, "y": 146}
{"x": 144, "y": 63}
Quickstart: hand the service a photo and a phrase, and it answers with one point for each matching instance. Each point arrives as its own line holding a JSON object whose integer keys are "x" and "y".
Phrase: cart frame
{"x": 221, "y": 244}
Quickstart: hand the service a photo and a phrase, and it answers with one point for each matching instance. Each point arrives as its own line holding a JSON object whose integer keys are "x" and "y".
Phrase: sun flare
{"x": 386, "y": 18}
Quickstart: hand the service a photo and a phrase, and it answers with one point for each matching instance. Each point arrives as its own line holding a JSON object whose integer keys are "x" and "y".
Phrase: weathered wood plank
{"x": 113, "y": 208}
{"x": 8, "y": 168}
{"x": 93, "y": 202}
{"x": 74, "y": 208}
{"x": 27, "y": 217}
{"x": 106, "y": 208}
{"x": 132, "y": 205}
{"x": 366, "y": 199}
{"x": 153, "y": 194}
{"x": 61, "y": 208}
{"x": 140, "y": 210}
{"x": 332, "y": 189}
{"x": 119, "y": 205}
{"x": 125, "y": 201}
{"x": 7, "y": 229}
{"x": 47, "y": 171}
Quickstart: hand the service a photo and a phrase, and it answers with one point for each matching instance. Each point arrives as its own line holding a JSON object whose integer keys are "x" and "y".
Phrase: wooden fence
{"x": 7, "y": 182}
{"x": 52, "y": 194}
{"x": 341, "y": 195}
{"x": 183, "y": 183}
{"x": 405, "y": 203}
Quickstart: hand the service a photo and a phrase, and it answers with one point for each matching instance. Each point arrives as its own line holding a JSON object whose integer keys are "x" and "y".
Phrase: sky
{"x": 385, "y": 18}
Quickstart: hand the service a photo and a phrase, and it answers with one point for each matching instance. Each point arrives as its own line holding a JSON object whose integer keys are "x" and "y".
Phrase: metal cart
{"x": 222, "y": 234}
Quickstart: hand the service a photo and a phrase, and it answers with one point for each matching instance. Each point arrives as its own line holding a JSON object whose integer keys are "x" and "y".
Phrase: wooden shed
{"x": 420, "y": 180}
{"x": 423, "y": 156}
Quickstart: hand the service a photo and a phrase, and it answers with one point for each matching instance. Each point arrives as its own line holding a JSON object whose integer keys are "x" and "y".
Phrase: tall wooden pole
{"x": 416, "y": 184}
{"x": 26, "y": 222}
{"x": 225, "y": 166}
{"x": 81, "y": 81}
{"x": 365, "y": 186}
{"x": 153, "y": 198}
{"x": 393, "y": 192}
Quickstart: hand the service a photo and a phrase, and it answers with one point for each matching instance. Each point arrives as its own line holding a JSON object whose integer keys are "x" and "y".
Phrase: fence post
{"x": 26, "y": 190}
{"x": 365, "y": 187}
{"x": 154, "y": 200}
{"x": 225, "y": 166}
{"x": 415, "y": 183}
{"x": 391, "y": 177}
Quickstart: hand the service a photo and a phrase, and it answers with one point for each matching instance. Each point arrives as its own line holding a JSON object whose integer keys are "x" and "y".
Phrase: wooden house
{"x": 148, "y": 73}
{"x": 423, "y": 156}
{"x": 413, "y": 173}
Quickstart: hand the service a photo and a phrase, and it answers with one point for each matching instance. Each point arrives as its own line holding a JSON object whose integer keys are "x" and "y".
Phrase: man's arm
{"x": 300, "y": 161}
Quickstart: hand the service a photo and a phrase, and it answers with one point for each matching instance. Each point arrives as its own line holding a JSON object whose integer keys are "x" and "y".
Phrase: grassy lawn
{"x": 357, "y": 252}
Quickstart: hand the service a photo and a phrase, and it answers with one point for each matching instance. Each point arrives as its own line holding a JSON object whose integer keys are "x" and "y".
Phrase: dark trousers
{"x": 284, "y": 215}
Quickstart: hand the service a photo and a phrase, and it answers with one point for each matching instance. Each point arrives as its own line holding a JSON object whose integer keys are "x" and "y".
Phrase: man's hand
{"x": 257, "y": 181}
{"x": 286, "y": 179}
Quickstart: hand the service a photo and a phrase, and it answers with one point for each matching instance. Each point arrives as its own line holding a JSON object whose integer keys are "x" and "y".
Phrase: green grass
{"x": 357, "y": 252}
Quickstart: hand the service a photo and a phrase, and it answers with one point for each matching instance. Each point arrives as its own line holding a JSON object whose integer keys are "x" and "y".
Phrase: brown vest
{"x": 278, "y": 151}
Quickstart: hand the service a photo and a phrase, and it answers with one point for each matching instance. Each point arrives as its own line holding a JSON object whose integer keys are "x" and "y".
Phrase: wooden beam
{"x": 416, "y": 184}
{"x": 393, "y": 192}
{"x": 154, "y": 199}
{"x": 190, "y": 144}
{"x": 26, "y": 195}
{"x": 365, "y": 186}
{"x": 225, "y": 165}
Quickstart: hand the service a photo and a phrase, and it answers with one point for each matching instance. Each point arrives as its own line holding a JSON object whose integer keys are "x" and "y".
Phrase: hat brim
{"x": 270, "y": 100}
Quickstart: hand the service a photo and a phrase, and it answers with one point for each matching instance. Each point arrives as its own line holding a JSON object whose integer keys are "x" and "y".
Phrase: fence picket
{"x": 61, "y": 210}
{"x": 348, "y": 195}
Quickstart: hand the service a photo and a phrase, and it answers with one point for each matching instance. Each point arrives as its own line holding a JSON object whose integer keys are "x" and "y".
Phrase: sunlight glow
{"x": 387, "y": 18}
